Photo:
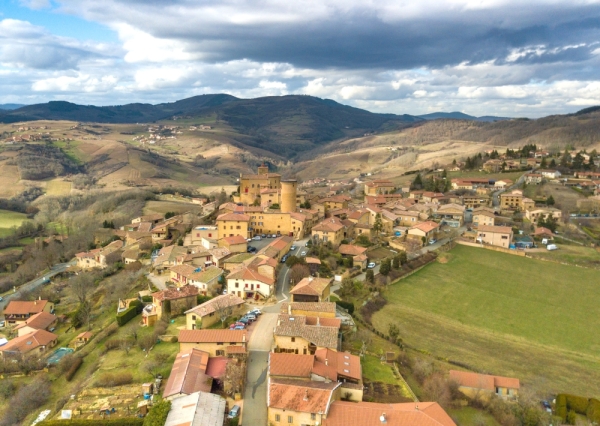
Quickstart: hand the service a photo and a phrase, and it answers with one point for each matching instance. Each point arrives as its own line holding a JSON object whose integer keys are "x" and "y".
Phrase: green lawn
{"x": 468, "y": 416}
{"x": 8, "y": 220}
{"x": 504, "y": 314}
{"x": 375, "y": 371}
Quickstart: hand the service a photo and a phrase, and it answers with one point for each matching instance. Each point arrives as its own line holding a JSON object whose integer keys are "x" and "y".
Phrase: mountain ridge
{"x": 457, "y": 115}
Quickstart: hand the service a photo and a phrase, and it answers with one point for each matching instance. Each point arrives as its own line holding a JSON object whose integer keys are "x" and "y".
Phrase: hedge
{"x": 561, "y": 406}
{"x": 126, "y": 316}
{"x": 158, "y": 414}
{"x": 129, "y": 421}
{"x": 138, "y": 305}
{"x": 579, "y": 404}
{"x": 593, "y": 411}
{"x": 77, "y": 361}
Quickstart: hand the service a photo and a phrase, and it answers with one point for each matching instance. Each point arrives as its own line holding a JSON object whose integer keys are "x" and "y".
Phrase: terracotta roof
{"x": 212, "y": 336}
{"x": 39, "y": 321}
{"x": 311, "y": 286}
{"x": 24, "y": 307}
{"x": 331, "y": 224}
{"x": 326, "y": 322}
{"x": 176, "y": 293}
{"x": 85, "y": 335}
{"x": 217, "y": 303}
{"x": 483, "y": 381}
{"x": 314, "y": 260}
{"x": 332, "y": 364}
{"x": 290, "y": 365}
{"x": 540, "y": 230}
{"x": 326, "y": 307}
{"x": 484, "y": 213}
{"x": 295, "y": 326}
{"x": 247, "y": 273}
{"x": 235, "y": 350}
{"x": 238, "y": 239}
{"x": 343, "y": 413}
{"x": 351, "y": 249}
{"x": 207, "y": 274}
{"x": 183, "y": 270}
{"x": 298, "y": 216}
{"x": 426, "y": 226}
{"x": 29, "y": 341}
{"x": 188, "y": 374}
{"x": 301, "y": 396}
{"x": 234, "y": 216}
{"x": 217, "y": 365}
{"x": 495, "y": 229}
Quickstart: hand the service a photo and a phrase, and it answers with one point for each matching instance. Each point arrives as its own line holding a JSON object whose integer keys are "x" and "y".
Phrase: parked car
{"x": 239, "y": 327}
{"x": 303, "y": 253}
{"x": 292, "y": 248}
{"x": 234, "y": 412}
{"x": 371, "y": 265}
{"x": 306, "y": 245}
{"x": 249, "y": 240}
{"x": 284, "y": 258}
{"x": 251, "y": 317}
{"x": 432, "y": 241}
{"x": 255, "y": 311}
{"x": 257, "y": 238}
{"x": 1, "y": 299}
{"x": 225, "y": 291}
{"x": 263, "y": 236}
{"x": 552, "y": 247}
{"x": 274, "y": 236}
{"x": 2, "y": 324}
{"x": 244, "y": 320}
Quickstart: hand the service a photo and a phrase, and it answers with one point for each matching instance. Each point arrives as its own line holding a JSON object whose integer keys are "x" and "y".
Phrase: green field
{"x": 8, "y": 220}
{"x": 504, "y": 314}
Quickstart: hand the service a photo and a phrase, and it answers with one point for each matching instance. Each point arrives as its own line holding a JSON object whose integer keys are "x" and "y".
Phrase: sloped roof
{"x": 311, "y": 286}
{"x": 331, "y": 224}
{"x": 24, "y": 307}
{"x": 39, "y": 321}
{"x": 234, "y": 216}
{"x": 351, "y": 249}
{"x": 290, "y": 365}
{"x": 332, "y": 364}
{"x": 183, "y": 270}
{"x": 326, "y": 307}
{"x": 217, "y": 303}
{"x": 197, "y": 409}
{"x": 238, "y": 239}
{"x": 176, "y": 293}
{"x": 494, "y": 229}
{"x": 301, "y": 396}
{"x": 212, "y": 336}
{"x": 295, "y": 326}
{"x": 343, "y": 413}
{"x": 207, "y": 274}
{"x": 426, "y": 226}
{"x": 483, "y": 381}
{"x": 29, "y": 341}
{"x": 188, "y": 374}
{"x": 247, "y": 273}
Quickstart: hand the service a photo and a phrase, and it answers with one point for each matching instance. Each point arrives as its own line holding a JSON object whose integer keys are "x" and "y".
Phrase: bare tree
{"x": 126, "y": 345}
{"x": 223, "y": 309}
{"x": 235, "y": 375}
{"x": 436, "y": 388}
{"x": 82, "y": 286}
{"x": 298, "y": 272}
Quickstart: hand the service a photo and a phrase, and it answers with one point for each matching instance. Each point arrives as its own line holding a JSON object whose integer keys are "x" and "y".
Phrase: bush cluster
{"x": 77, "y": 361}
{"x": 109, "y": 380}
{"x": 158, "y": 414}
{"x": 132, "y": 421}
{"x": 127, "y": 315}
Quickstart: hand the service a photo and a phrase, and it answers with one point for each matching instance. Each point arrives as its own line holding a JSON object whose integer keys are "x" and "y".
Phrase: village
{"x": 256, "y": 292}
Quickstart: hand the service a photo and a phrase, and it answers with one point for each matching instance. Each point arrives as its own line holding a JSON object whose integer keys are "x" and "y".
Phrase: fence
{"x": 494, "y": 248}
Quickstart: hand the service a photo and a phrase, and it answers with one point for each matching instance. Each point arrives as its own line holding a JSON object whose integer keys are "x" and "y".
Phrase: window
{"x": 290, "y": 419}
{"x": 237, "y": 285}
{"x": 293, "y": 339}
{"x": 219, "y": 343}
{"x": 209, "y": 235}
{"x": 220, "y": 353}
{"x": 313, "y": 416}
{"x": 194, "y": 317}
{"x": 238, "y": 227}
{"x": 277, "y": 418}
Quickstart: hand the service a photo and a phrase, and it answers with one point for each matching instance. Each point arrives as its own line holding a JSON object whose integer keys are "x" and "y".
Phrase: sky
{"x": 482, "y": 57}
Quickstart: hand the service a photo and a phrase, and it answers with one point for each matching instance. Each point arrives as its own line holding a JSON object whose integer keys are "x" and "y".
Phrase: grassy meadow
{"x": 8, "y": 220}
{"x": 505, "y": 315}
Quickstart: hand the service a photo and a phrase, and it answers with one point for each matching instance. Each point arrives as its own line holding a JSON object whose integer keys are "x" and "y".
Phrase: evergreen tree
{"x": 370, "y": 276}
{"x": 550, "y": 201}
{"x": 417, "y": 183}
{"x": 544, "y": 163}
{"x": 386, "y": 267}
{"x": 553, "y": 163}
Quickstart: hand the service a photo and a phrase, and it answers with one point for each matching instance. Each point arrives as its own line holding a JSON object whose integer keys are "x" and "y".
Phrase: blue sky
{"x": 482, "y": 57}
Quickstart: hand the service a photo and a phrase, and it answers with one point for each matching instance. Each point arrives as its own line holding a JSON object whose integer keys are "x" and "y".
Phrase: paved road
{"x": 32, "y": 285}
{"x": 283, "y": 281}
{"x": 158, "y": 280}
{"x": 255, "y": 396}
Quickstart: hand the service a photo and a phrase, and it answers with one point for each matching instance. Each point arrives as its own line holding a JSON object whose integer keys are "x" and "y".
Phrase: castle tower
{"x": 263, "y": 170}
{"x": 288, "y": 195}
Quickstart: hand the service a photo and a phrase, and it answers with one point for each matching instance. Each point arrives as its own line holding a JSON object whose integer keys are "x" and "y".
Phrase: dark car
{"x": 263, "y": 236}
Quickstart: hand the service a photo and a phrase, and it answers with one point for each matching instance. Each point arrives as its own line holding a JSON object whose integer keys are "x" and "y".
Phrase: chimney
{"x": 417, "y": 407}
{"x": 305, "y": 395}
{"x": 326, "y": 361}
{"x": 318, "y": 320}
{"x": 289, "y": 309}
{"x": 383, "y": 418}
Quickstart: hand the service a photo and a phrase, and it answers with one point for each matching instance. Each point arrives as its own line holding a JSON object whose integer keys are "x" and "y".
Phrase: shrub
{"x": 77, "y": 361}
{"x": 147, "y": 299}
{"x": 158, "y": 414}
{"x": 138, "y": 305}
{"x": 593, "y": 411}
{"x": 109, "y": 380}
{"x": 349, "y": 306}
{"x": 126, "y": 316}
{"x": 561, "y": 406}
{"x": 579, "y": 404}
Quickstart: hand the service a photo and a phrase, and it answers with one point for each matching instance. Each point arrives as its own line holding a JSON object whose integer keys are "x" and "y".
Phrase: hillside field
{"x": 8, "y": 219}
{"x": 504, "y": 315}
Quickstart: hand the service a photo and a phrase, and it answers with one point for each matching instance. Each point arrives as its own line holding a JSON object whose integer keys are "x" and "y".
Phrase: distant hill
{"x": 11, "y": 106}
{"x": 285, "y": 125}
{"x": 461, "y": 116}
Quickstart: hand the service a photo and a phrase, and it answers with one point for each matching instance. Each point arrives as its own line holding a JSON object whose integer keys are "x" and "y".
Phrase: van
{"x": 552, "y": 247}
{"x": 234, "y": 412}
{"x": 544, "y": 241}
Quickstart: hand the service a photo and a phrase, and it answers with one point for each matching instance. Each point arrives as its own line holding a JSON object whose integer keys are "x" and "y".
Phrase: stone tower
{"x": 288, "y": 195}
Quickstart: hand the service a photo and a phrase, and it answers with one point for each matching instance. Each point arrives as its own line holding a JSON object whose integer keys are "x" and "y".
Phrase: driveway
{"x": 283, "y": 282}
{"x": 159, "y": 281}
{"x": 255, "y": 396}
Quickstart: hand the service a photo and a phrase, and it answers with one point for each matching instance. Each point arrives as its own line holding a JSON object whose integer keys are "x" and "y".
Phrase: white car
{"x": 249, "y": 240}
{"x": 371, "y": 265}
{"x": 257, "y": 238}
{"x": 303, "y": 253}
{"x": 2, "y": 324}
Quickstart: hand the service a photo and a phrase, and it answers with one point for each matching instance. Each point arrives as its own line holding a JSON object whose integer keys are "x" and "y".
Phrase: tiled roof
{"x": 248, "y": 273}
{"x": 540, "y": 230}
{"x": 483, "y": 381}
{"x": 326, "y": 322}
{"x": 327, "y": 307}
{"x": 495, "y": 229}
{"x": 183, "y": 270}
{"x": 351, "y": 249}
{"x": 217, "y": 303}
{"x": 28, "y": 342}
{"x": 188, "y": 374}
{"x": 24, "y": 307}
{"x": 343, "y": 413}
{"x": 212, "y": 336}
{"x": 295, "y": 326}
{"x": 176, "y": 293}
{"x": 206, "y": 275}
{"x": 311, "y": 286}
{"x": 314, "y": 260}
{"x": 238, "y": 239}
{"x": 301, "y": 396}
{"x": 234, "y": 216}
{"x": 426, "y": 226}
{"x": 235, "y": 350}
{"x": 39, "y": 321}
{"x": 197, "y": 409}
{"x": 217, "y": 365}
{"x": 331, "y": 224}
{"x": 290, "y": 365}
{"x": 85, "y": 335}
{"x": 332, "y": 364}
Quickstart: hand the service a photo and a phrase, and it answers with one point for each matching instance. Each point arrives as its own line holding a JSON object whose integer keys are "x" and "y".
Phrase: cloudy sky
{"x": 482, "y": 57}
